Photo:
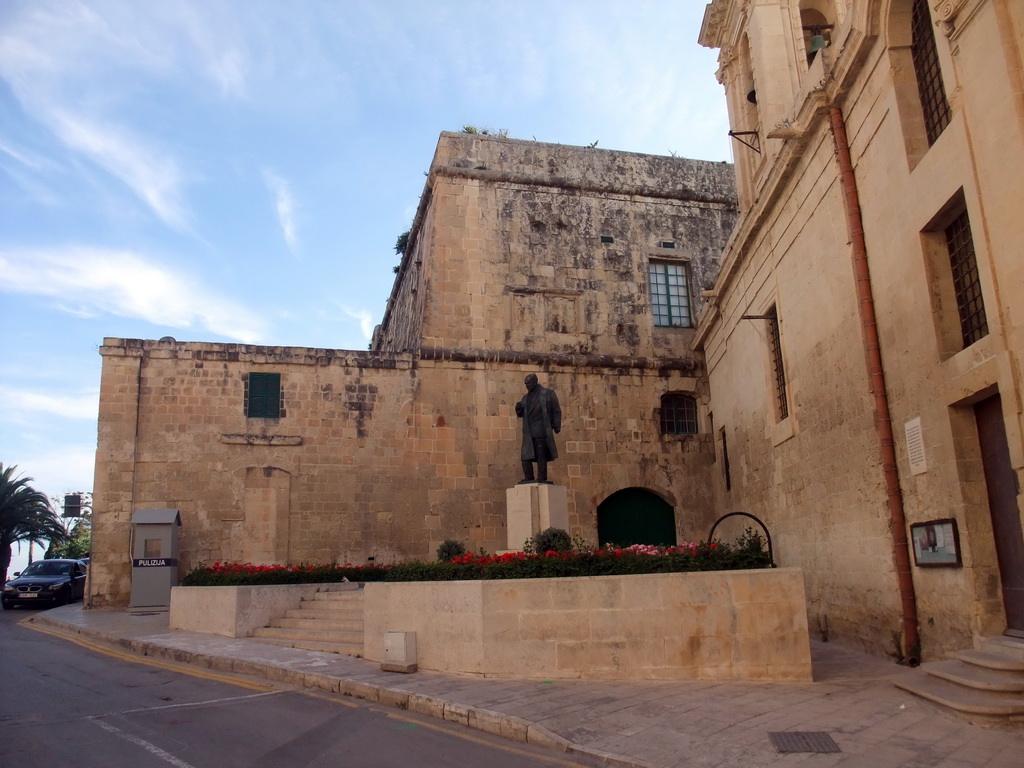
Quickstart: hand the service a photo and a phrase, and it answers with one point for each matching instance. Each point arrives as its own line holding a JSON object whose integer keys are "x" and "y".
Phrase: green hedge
{"x": 593, "y": 562}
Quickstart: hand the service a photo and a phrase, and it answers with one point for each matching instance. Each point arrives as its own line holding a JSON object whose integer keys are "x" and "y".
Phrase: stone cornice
{"x": 687, "y": 363}
{"x": 595, "y": 186}
{"x": 258, "y": 355}
{"x": 712, "y": 29}
{"x": 267, "y": 440}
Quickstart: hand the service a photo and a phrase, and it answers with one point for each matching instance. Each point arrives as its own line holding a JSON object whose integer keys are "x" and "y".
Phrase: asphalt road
{"x": 70, "y": 702}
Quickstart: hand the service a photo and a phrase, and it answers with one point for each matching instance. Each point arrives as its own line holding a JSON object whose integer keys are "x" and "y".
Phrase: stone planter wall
{"x": 722, "y": 625}
{"x": 237, "y": 611}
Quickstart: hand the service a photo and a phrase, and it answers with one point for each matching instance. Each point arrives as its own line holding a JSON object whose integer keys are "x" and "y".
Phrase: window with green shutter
{"x": 263, "y": 396}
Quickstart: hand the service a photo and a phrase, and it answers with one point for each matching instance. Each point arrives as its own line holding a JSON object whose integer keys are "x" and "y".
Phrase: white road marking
{"x": 153, "y": 749}
{"x": 186, "y": 704}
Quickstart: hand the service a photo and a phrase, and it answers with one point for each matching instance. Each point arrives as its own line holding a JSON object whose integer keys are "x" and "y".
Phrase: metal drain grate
{"x": 803, "y": 741}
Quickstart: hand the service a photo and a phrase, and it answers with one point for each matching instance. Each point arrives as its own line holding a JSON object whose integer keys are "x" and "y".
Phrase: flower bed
{"x": 606, "y": 561}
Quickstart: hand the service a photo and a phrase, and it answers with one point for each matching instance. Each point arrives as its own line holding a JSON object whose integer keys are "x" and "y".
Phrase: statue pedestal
{"x": 531, "y": 508}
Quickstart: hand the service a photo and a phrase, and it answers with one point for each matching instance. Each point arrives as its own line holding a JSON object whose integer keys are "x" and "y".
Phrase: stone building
{"x": 865, "y": 336}
{"x": 581, "y": 265}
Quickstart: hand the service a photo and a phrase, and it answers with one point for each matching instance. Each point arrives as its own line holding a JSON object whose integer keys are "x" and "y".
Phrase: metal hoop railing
{"x": 767, "y": 535}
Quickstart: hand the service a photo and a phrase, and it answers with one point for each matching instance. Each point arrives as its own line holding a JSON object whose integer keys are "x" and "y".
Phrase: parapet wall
{"x": 722, "y": 625}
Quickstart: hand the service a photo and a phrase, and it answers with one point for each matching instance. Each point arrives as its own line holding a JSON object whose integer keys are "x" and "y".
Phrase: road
{"x": 70, "y": 702}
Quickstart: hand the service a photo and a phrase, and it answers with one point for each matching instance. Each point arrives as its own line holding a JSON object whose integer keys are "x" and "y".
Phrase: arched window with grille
{"x": 925, "y": 54}
{"x": 678, "y": 414}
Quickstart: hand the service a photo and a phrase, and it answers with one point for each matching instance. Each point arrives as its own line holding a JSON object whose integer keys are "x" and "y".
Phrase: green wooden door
{"x": 635, "y": 516}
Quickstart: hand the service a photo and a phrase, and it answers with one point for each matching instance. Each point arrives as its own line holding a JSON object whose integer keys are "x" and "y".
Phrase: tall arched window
{"x": 926, "y": 67}
{"x": 678, "y": 414}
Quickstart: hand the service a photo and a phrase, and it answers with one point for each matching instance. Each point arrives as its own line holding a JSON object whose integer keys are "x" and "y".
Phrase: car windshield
{"x": 47, "y": 568}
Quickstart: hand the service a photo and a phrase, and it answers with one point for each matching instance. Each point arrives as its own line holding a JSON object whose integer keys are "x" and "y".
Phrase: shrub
{"x": 548, "y": 540}
{"x": 449, "y": 550}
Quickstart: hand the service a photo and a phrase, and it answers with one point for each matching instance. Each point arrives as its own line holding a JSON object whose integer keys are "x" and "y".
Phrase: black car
{"x": 46, "y": 581}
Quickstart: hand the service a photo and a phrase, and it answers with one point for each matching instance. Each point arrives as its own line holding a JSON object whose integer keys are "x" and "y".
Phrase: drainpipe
{"x": 876, "y": 376}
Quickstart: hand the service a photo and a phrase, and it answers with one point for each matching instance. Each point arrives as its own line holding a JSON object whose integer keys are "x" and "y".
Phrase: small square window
{"x": 607, "y": 239}
{"x": 678, "y": 414}
{"x": 263, "y": 396}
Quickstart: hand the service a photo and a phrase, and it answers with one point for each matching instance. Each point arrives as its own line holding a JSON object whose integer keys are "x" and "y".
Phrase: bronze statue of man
{"x": 542, "y": 420}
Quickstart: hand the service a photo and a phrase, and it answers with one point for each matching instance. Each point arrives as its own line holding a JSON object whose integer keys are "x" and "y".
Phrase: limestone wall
{"x": 722, "y": 625}
{"x": 539, "y": 247}
{"x": 375, "y": 455}
{"x": 816, "y": 476}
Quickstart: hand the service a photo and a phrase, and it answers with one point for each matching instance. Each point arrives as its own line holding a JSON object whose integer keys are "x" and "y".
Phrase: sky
{"x": 239, "y": 170}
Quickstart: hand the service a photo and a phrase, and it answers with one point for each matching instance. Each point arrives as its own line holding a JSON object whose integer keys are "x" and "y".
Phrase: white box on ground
{"x": 399, "y": 652}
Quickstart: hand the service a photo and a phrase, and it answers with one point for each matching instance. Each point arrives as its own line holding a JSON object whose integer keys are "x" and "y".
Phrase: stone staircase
{"x": 329, "y": 621}
{"x": 984, "y": 685}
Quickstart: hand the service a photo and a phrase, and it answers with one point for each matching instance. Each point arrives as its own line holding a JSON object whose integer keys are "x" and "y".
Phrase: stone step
{"x": 327, "y": 614}
{"x": 974, "y": 703}
{"x": 993, "y": 661}
{"x": 345, "y": 649}
{"x": 1010, "y": 647}
{"x": 329, "y": 621}
{"x": 328, "y": 635}
{"x": 978, "y": 677}
{"x": 342, "y": 596}
{"x": 326, "y": 604}
{"x": 317, "y": 622}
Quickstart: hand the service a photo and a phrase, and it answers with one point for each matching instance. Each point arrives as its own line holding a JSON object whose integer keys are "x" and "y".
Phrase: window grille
{"x": 263, "y": 396}
{"x": 670, "y": 298}
{"x": 966, "y": 284}
{"x": 929, "y": 76}
{"x": 678, "y": 415}
{"x": 778, "y": 371}
{"x": 725, "y": 462}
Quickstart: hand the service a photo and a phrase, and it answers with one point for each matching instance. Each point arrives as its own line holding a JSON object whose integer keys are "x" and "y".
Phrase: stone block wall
{"x": 375, "y": 455}
{"x": 722, "y": 625}
{"x": 532, "y": 247}
{"x": 816, "y": 476}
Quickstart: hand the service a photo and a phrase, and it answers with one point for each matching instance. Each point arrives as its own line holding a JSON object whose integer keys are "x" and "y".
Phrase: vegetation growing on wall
{"x": 501, "y": 133}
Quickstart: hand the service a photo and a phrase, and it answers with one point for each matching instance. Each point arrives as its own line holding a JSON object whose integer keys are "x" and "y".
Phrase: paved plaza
{"x": 852, "y": 702}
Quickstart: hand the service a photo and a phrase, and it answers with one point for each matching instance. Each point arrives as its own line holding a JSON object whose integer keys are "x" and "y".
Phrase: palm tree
{"x": 25, "y": 515}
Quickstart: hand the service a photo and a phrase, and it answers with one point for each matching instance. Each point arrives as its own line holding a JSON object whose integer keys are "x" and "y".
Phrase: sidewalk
{"x": 621, "y": 723}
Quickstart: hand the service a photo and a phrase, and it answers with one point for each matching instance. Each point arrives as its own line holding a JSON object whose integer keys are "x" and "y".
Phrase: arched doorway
{"x": 635, "y": 516}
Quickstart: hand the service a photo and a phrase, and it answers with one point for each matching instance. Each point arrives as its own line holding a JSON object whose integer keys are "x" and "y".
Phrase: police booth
{"x": 154, "y": 545}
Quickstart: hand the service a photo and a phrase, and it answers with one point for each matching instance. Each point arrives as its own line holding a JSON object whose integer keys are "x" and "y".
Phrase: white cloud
{"x": 75, "y": 406}
{"x": 284, "y": 205}
{"x": 93, "y": 281}
{"x": 58, "y": 469}
{"x": 229, "y": 69}
{"x": 25, "y": 158}
{"x": 85, "y": 73}
{"x": 150, "y": 172}
{"x": 365, "y": 320}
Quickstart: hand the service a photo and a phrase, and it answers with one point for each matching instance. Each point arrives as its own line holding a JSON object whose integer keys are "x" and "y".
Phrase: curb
{"x": 508, "y": 727}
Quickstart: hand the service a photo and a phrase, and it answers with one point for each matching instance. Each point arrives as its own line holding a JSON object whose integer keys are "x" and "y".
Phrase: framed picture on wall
{"x": 936, "y": 544}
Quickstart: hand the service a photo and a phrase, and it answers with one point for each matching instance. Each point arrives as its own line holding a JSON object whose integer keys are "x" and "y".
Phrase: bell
{"x": 752, "y": 95}
{"x": 817, "y": 43}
